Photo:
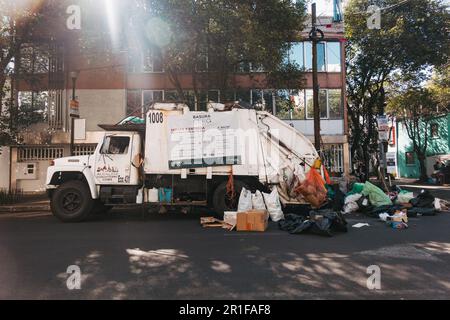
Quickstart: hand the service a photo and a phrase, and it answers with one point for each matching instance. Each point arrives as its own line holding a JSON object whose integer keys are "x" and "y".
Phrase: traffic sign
{"x": 74, "y": 109}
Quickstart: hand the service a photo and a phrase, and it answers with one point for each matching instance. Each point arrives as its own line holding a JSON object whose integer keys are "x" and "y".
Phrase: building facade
{"x": 438, "y": 148}
{"x": 111, "y": 87}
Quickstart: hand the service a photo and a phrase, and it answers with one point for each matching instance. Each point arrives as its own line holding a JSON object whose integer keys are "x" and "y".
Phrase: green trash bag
{"x": 376, "y": 196}
{"x": 356, "y": 188}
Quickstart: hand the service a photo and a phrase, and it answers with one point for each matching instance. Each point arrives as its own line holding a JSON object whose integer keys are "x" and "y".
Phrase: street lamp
{"x": 73, "y": 111}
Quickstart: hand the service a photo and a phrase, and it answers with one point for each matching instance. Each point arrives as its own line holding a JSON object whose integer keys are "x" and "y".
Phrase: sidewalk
{"x": 30, "y": 203}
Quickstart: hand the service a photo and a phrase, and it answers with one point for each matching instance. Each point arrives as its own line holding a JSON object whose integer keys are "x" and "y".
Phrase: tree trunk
{"x": 423, "y": 168}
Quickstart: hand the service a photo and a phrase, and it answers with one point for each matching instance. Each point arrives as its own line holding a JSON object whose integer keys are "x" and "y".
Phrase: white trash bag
{"x": 350, "y": 204}
{"x": 273, "y": 205}
{"x": 245, "y": 200}
{"x": 258, "y": 201}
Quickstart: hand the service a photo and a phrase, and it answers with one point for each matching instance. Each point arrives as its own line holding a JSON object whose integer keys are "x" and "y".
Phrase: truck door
{"x": 113, "y": 164}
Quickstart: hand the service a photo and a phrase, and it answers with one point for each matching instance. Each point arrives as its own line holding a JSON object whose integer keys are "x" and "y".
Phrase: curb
{"x": 16, "y": 209}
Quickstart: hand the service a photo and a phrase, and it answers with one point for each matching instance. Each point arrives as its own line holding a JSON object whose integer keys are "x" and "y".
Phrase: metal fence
{"x": 334, "y": 157}
{"x": 84, "y": 149}
{"x": 39, "y": 153}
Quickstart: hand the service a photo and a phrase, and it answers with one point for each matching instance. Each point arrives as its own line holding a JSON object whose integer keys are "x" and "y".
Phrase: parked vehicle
{"x": 179, "y": 157}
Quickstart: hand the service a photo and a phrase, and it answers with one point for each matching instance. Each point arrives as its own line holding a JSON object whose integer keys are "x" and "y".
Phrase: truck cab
{"x": 80, "y": 185}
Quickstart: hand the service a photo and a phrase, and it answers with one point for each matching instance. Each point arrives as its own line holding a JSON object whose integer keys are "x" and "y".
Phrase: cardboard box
{"x": 230, "y": 217}
{"x": 252, "y": 220}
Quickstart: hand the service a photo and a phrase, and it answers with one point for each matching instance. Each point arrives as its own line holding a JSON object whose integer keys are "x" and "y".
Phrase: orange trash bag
{"x": 313, "y": 188}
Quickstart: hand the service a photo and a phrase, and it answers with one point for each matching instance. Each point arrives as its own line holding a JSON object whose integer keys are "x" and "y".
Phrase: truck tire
{"x": 72, "y": 202}
{"x": 220, "y": 200}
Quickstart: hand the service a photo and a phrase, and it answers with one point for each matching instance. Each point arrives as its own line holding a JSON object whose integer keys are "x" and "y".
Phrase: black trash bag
{"x": 390, "y": 209}
{"x": 322, "y": 222}
{"x": 364, "y": 204}
{"x": 424, "y": 200}
{"x": 413, "y": 212}
{"x": 339, "y": 197}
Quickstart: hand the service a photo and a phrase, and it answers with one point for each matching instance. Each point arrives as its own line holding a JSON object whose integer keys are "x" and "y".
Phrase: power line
{"x": 384, "y": 8}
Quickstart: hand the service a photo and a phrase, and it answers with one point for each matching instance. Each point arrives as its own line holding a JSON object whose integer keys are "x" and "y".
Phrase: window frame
{"x": 432, "y": 136}
{"x": 327, "y": 56}
{"x": 413, "y": 157}
{"x": 102, "y": 148}
{"x": 305, "y": 45}
{"x": 327, "y": 104}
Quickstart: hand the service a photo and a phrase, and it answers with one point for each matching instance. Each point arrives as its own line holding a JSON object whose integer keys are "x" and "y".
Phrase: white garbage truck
{"x": 178, "y": 157}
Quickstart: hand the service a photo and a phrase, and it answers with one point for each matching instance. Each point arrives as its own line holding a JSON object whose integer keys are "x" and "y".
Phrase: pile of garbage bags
{"x": 371, "y": 200}
{"x": 363, "y": 195}
{"x": 323, "y": 222}
{"x": 261, "y": 201}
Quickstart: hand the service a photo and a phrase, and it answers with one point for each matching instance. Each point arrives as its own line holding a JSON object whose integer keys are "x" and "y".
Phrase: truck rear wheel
{"x": 222, "y": 202}
{"x": 72, "y": 202}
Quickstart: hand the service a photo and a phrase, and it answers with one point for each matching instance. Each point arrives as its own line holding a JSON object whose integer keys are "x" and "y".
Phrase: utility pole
{"x": 74, "y": 113}
{"x": 315, "y": 35}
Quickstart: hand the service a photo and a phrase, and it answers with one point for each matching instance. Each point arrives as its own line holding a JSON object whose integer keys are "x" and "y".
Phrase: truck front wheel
{"x": 72, "y": 202}
{"x": 222, "y": 201}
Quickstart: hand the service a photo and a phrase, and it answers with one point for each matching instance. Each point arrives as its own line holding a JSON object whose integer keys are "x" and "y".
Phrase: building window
{"x": 410, "y": 159}
{"x": 244, "y": 97}
{"x": 214, "y": 95}
{"x": 206, "y": 96}
{"x": 321, "y": 63}
{"x": 134, "y": 103}
{"x": 149, "y": 96}
{"x": 328, "y": 55}
{"x": 201, "y": 101}
{"x": 227, "y": 96}
{"x": 434, "y": 130}
{"x": 152, "y": 60}
{"x": 296, "y": 104}
{"x": 335, "y": 103}
{"x": 333, "y": 57}
{"x": 145, "y": 60}
{"x": 138, "y": 101}
{"x": 34, "y": 59}
{"x": 322, "y": 104}
{"x": 296, "y": 54}
{"x": 321, "y": 53}
{"x": 268, "y": 101}
{"x": 282, "y": 104}
{"x": 308, "y": 55}
{"x": 39, "y": 153}
{"x": 33, "y": 106}
{"x": 173, "y": 96}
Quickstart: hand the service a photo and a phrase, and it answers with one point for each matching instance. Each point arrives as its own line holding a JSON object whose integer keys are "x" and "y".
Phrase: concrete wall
{"x": 105, "y": 106}
{"x": 4, "y": 168}
{"x": 38, "y": 184}
{"x": 327, "y": 127}
{"x": 30, "y": 185}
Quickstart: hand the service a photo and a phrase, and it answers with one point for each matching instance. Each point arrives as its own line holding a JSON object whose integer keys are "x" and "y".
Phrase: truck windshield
{"x": 115, "y": 145}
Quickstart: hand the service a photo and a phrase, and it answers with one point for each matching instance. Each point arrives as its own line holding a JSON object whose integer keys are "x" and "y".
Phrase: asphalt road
{"x": 170, "y": 256}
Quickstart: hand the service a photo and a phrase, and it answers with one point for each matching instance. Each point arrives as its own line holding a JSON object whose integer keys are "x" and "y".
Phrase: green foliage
{"x": 415, "y": 108}
{"x": 440, "y": 88}
{"x": 20, "y": 29}
{"x": 413, "y": 37}
{"x": 226, "y": 35}
{"x": 10, "y": 196}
